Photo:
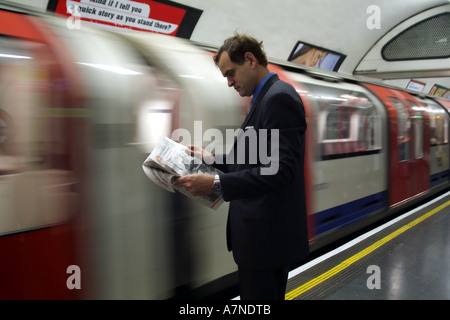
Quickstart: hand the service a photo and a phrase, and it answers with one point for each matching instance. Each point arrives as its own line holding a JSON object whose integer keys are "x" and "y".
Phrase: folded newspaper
{"x": 170, "y": 159}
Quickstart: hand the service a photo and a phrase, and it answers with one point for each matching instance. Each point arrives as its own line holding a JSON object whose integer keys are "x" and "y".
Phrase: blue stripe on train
{"x": 439, "y": 178}
{"x": 350, "y": 212}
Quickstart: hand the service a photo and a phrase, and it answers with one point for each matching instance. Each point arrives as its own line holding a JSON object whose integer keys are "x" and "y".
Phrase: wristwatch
{"x": 216, "y": 185}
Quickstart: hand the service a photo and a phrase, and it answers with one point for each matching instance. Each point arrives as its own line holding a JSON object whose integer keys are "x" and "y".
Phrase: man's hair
{"x": 238, "y": 45}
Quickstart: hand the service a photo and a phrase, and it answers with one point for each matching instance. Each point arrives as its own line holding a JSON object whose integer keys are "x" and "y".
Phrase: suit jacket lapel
{"x": 254, "y": 106}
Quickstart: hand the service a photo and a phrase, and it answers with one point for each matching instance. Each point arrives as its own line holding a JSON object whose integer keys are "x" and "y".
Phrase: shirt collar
{"x": 260, "y": 86}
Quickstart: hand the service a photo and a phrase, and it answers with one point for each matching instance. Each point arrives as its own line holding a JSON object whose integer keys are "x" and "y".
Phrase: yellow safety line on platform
{"x": 340, "y": 267}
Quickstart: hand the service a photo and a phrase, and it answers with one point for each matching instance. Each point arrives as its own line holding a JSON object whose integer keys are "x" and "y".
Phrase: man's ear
{"x": 251, "y": 58}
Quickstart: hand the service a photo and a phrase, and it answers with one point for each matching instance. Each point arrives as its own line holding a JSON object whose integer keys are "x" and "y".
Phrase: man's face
{"x": 241, "y": 77}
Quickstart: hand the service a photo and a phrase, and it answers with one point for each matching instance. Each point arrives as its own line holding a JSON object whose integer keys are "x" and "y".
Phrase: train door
{"x": 401, "y": 165}
{"x": 438, "y": 143}
{"x": 408, "y": 158}
{"x": 419, "y": 154}
{"x": 445, "y": 178}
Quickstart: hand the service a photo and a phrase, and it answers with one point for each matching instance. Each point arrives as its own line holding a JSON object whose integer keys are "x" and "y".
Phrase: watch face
{"x": 216, "y": 186}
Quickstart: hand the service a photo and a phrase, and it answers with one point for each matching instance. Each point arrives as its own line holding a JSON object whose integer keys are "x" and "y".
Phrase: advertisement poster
{"x": 415, "y": 85}
{"x": 313, "y": 56}
{"x": 162, "y": 17}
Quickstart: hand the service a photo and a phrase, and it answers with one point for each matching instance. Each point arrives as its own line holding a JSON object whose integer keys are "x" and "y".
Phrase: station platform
{"x": 407, "y": 258}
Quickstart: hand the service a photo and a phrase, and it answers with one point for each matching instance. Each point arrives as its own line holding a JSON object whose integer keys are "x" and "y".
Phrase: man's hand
{"x": 202, "y": 154}
{"x": 197, "y": 184}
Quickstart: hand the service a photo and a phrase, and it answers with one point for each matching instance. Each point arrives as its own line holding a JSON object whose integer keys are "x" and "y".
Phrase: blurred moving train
{"x": 80, "y": 109}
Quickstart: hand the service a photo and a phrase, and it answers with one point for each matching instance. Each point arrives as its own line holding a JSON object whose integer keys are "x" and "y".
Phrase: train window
{"x": 419, "y": 130}
{"x": 419, "y": 135}
{"x": 157, "y": 112}
{"x": 403, "y": 128}
{"x": 348, "y": 123}
{"x": 36, "y": 182}
{"x": 438, "y": 124}
{"x": 20, "y": 104}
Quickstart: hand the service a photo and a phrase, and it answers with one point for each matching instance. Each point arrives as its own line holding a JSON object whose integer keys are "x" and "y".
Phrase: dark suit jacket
{"x": 267, "y": 226}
